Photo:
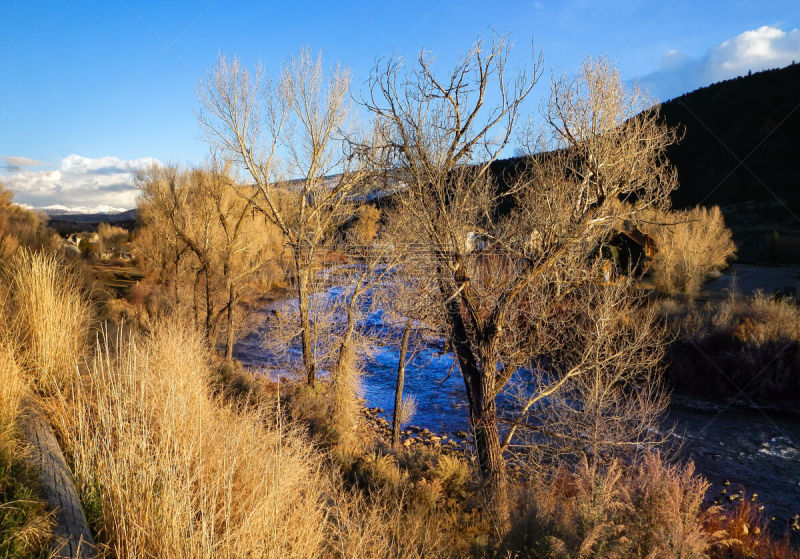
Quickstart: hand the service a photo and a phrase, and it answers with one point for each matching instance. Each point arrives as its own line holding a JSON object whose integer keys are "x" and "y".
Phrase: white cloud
{"x": 78, "y": 180}
{"x": 754, "y": 50}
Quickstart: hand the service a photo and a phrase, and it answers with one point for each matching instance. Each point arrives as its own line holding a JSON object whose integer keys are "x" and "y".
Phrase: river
{"x": 744, "y": 447}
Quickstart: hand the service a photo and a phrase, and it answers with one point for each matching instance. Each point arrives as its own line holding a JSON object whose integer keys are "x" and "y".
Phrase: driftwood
{"x": 71, "y": 535}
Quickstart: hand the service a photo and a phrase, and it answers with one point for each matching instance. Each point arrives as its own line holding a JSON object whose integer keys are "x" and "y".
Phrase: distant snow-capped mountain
{"x": 58, "y": 209}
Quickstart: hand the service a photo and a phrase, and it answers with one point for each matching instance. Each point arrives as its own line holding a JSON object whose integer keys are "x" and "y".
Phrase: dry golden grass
{"x": 384, "y": 525}
{"x": 169, "y": 468}
{"x": 176, "y": 472}
{"x": 49, "y": 317}
{"x": 12, "y": 388}
{"x": 346, "y": 406}
{"x": 759, "y": 319}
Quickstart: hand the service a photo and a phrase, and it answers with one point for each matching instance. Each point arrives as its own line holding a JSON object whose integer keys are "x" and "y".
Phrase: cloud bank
{"x": 754, "y": 50}
{"x": 76, "y": 181}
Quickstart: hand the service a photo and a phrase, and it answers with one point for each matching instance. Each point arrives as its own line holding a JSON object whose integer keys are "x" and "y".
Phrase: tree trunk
{"x": 195, "y": 305}
{"x": 398, "y": 391}
{"x": 344, "y": 344}
{"x": 229, "y": 335}
{"x": 209, "y": 310}
{"x": 479, "y": 373}
{"x": 177, "y": 274}
{"x": 305, "y": 326}
{"x": 490, "y": 456}
{"x": 483, "y": 419}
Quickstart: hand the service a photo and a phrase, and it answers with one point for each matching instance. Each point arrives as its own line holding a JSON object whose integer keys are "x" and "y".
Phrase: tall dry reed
{"x": 168, "y": 469}
{"x": 175, "y": 472}
{"x": 48, "y": 316}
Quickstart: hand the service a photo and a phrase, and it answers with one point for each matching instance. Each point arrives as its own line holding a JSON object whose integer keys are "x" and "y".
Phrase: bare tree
{"x": 407, "y": 317}
{"x": 22, "y": 227}
{"x": 305, "y": 118}
{"x": 509, "y": 255}
{"x": 230, "y": 246}
{"x": 599, "y": 395}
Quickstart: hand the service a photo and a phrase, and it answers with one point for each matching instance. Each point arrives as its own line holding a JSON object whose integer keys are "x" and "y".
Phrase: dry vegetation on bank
{"x": 170, "y": 466}
{"x": 690, "y": 246}
{"x": 754, "y": 340}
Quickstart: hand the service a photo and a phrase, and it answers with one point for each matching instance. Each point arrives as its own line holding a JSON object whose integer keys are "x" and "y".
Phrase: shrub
{"x": 690, "y": 245}
{"x": 746, "y": 534}
{"x": 120, "y": 311}
{"x": 650, "y": 509}
{"x": 367, "y": 224}
{"x": 755, "y": 340}
{"x": 453, "y": 473}
{"x": 112, "y": 236}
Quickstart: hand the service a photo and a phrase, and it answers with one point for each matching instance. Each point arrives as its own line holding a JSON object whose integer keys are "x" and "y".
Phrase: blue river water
{"x": 431, "y": 378}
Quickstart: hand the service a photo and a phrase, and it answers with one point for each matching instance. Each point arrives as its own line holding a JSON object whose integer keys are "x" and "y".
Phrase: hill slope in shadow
{"x": 741, "y": 142}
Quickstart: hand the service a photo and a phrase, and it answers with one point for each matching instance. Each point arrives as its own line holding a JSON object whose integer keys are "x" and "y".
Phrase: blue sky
{"x": 92, "y": 91}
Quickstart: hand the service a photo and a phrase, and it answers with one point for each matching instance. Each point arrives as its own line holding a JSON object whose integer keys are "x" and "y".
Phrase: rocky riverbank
{"x": 415, "y": 437}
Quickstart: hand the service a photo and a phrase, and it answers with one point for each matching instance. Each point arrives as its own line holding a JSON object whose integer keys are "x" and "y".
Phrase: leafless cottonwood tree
{"x": 412, "y": 318}
{"x": 373, "y": 262}
{"x": 296, "y": 127}
{"x": 194, "y": 221}
{"x": 505, "y": 257}
{"x": 20, "y": 227}
{"x": 406, "y": 316}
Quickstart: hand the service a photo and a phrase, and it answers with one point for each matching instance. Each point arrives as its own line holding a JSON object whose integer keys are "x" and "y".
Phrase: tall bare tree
{"x": 297, "y": 127}
{"x": 407, "y": 316}
{"x": 213, "y": 232}
{"x": 509, "y": 254}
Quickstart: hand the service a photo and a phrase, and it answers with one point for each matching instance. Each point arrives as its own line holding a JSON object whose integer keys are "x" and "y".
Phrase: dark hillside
{"x": 742, "y": 141}
{"x": 65, "y": 224}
